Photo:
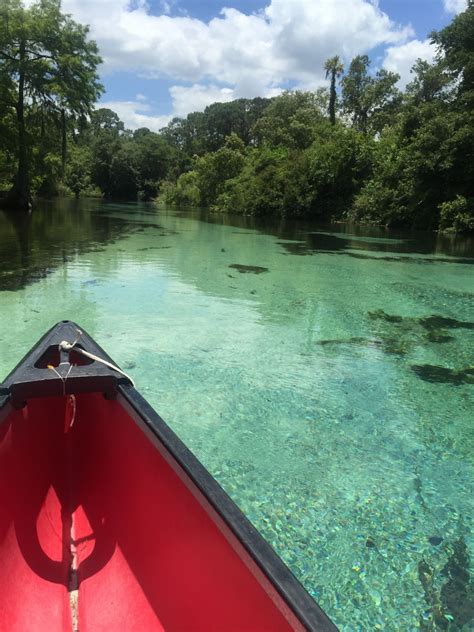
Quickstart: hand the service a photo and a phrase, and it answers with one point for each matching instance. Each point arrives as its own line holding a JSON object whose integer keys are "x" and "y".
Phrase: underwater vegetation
{"x": 399, "y": 334}
{"x": 387, "y": 344}
{"x": 356, "y": 340}
{"x": 438, "y": 322}
{"x": 432, "y": 328}
{"x": 441, "y": 374}
{"x": 449, "y": 593}
{"x": 248, "y": 269}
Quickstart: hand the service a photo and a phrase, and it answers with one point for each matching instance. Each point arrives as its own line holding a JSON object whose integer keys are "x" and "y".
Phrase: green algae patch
{"x": 410, "y": 331}
{"x": 448, "y": 592}
{"x": 443, "y": 375}
{"x": 248, "y": 269}
{"x": 386, "y": 344}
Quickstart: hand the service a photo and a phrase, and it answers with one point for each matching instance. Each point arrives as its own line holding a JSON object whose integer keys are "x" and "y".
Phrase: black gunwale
{"x": 288, "y": 586}
{"x": 91, "y": 378}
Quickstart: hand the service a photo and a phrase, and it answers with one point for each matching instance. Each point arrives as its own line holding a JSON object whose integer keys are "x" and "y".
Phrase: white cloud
{"x": 455, "y": 6}
{"x": 135, "y": 114}
{"x": 197, "y": 97}
{"x": 288, "y": 40}
{"x": 307, "y": 32}
{"x": 235, "y": 54}
{"x": 401, "y": 58}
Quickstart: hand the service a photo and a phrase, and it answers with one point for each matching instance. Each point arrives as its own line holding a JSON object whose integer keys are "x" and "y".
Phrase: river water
{"x": 323, "y": 375}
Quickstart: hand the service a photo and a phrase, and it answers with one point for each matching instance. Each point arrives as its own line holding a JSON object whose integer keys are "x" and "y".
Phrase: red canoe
{"x": 108, "y": 523}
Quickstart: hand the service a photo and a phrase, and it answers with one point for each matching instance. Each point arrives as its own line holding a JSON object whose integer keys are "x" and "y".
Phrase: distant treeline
{"x": 366, "y": 151}
{"x": 359, "y": 150}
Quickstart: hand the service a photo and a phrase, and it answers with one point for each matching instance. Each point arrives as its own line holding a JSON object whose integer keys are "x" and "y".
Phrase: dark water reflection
{"x": 33, "y": 245}
{"x": 339, "y": 238}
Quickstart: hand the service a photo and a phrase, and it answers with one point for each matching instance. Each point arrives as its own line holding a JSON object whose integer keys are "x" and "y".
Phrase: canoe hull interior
{"x": 103, "y": 508}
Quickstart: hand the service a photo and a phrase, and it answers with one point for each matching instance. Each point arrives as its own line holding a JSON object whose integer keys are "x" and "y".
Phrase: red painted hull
{"x": 108, "y": 523}
{"x": 151, "y": 553}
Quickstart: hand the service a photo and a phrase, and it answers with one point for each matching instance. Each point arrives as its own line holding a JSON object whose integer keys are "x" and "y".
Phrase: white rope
{"x": 68, "y": 346}
{"x": 71, "y": 398}
{"x": 63, "y": 379}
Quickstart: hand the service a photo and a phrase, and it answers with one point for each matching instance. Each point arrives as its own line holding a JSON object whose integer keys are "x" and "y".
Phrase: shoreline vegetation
{"x": 361, "y": 150}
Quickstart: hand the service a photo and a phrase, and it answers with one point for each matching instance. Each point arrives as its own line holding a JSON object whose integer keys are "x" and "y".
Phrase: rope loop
{"x": 69, "y": 346}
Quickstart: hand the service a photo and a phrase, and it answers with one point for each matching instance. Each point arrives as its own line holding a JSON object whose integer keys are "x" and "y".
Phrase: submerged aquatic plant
{"x": 457, "y": 594}
{"x": 388, "y": 345}
{"x": 451, "y": 607}
{"x": 441, "y": 374}
{"x": 441, "y": 322}
{"x": 436, "y": 619}
{"x": 379, "y": 314}
{"x": 398, "y": 334}
{"x": 243, "y": 269}
{"x": 434, "y": 323}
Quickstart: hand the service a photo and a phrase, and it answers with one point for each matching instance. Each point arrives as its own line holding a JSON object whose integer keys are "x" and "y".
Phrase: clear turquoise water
{"x": 343, "y": 433}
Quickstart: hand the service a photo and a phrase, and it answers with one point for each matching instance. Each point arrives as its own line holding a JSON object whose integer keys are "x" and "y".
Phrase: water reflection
{"x": 342, "y": 237}
{"x": 32, "y": 245}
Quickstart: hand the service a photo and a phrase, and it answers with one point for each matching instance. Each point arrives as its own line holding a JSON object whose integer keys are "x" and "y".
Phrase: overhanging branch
{"x": 38, "y": 55}
{"x": 7, "y": 56}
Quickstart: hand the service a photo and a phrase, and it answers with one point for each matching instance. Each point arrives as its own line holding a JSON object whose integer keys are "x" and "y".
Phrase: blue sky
{"x": 165, "y": 58}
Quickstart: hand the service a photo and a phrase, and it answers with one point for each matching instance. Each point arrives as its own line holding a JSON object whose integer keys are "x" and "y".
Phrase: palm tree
{"x": 334, "y": 69}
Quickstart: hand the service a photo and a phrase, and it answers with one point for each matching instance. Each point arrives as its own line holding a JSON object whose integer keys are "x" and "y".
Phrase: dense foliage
{"x": 384, "y": 156}
{"x": 47, "y": 75}
{"x": 362, "y": 150}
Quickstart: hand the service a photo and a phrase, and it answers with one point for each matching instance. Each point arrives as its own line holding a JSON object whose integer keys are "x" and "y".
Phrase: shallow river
{"x": 323, "y": 375}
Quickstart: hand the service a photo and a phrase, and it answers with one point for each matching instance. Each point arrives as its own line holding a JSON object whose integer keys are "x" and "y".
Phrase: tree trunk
{"x": 19, "y": 196}
{"x": 63, "y": 142}
{"x": 332, "y": 99}
{"x": 42, "y": 127}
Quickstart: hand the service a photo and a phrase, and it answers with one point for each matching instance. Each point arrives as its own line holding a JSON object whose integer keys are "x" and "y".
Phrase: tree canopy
{"x": 47, "y": 69}
{"x": 385, "y": 156}
{"x": 361, "y": 149}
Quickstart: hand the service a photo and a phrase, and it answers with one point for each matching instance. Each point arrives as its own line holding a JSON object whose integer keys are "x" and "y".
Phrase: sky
{"x": 166, "y": 58}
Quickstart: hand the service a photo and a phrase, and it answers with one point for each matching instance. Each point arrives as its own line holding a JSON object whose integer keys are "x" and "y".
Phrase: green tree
{"x": 201, "y": 132}
{"x": 155, "y": 158}
{"x": 7, "y": 148}
{"x": 78, "y": 170}
{"x": 429, "y": 84}
{"x": 235, "y": 117}
{"x": 339, "y": 161}
{"x": 290, "y": 120}
{"x": 103, "y": 135}
{"x": 334, "y": 69}
{"x": 423, "y": 164}
{"x": 46, "y": 60}
{"x": 124, "y": 173}
{"x": 369, "y": 101}
{"x": 214, "y": 169}
{"x": 106, "y": 120}
{"x": 456, "y": 48}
